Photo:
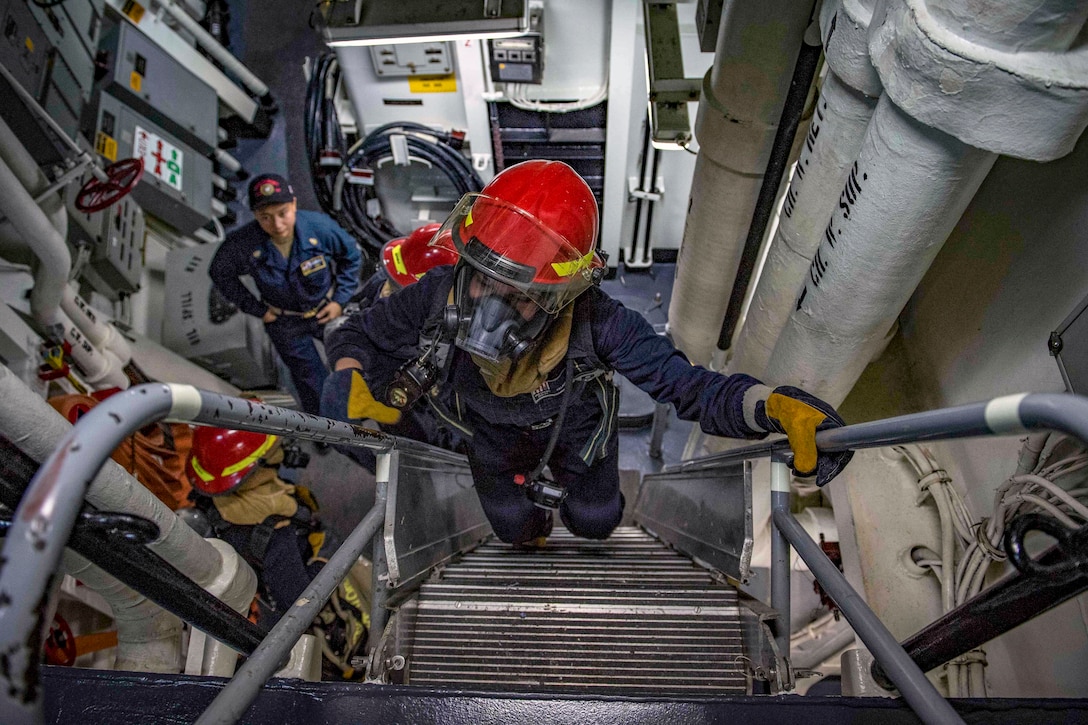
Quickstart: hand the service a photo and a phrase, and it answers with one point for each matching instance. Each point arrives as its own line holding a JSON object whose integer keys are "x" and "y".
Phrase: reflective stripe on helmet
{"x": 251, "y": 458}
{"x": 199, "y": 470}
{"x": 566, "y": 269}
{"x": 398, "y": 260}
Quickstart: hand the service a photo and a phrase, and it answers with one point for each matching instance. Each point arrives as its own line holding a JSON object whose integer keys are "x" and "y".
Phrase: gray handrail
{"x": 1006, "y": 415}
{"x": 48, "y": 510}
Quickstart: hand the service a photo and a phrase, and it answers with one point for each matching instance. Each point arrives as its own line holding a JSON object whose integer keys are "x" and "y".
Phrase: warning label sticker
{"x": 161, "y": 159}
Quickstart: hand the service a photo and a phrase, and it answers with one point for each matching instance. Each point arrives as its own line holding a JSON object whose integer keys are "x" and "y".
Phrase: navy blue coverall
{"x": 512, "y": 433}
{"x": 323, "y": 267}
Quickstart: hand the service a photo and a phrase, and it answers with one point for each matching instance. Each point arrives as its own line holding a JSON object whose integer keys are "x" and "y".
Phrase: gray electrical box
{"x": 116, "y": 237}
{"x": 24, "y": 48}
{"x": 521, "y": 59}
{"x": 177, "y": 182}
{"x": 73, "y": 27}
{"x": 199, "y": 324}
{"x": 149, "y": 80}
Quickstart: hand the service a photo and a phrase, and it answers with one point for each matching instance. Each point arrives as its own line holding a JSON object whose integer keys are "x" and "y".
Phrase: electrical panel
{"x": 116, "y": 239}
{"x": 24, "y": 49}
{"x": 199, "y": 324}
{"x": 520, "y": 59}
{"x": 412, "y": 59}
{"x": 137, "y": 71}
{"x": 177, "y": 182}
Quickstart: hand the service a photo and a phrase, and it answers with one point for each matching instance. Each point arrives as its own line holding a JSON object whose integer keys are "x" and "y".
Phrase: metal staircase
{"x": 626, "y": 616}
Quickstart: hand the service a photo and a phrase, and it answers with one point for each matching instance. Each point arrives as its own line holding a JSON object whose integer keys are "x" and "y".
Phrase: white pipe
{"x": 742, "y": 100}
{"x": 32, "y": 425}
{"x": 227, "y": 161}
{"x": 148, "y": 637}
{"x": 236, "y": 585}
{"x": 208, "y": 42}
{"x": 912, "y": 181}
{"x": 902, "y": 198}
{"x": 97, "y": 330}
{"x": 832, "y": 144}
{"x": 48, "y": 245}
{"x": 101, "y": 368}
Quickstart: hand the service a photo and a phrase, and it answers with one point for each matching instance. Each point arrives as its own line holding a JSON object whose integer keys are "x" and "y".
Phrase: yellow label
{"x": 134, "y": 10}
{"x": 106, "y": 146}
{"x": 136, "y": 81}
{"x": 433, "y": 84}
{"x": 29, "y": 44}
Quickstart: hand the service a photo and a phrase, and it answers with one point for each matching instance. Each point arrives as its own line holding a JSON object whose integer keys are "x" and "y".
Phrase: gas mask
{"x": 493, "y": 320}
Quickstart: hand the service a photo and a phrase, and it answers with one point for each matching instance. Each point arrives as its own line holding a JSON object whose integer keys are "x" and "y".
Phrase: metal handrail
{"x": 1001, "y": 416}
{"x": 45, "y": 517}
{"x": 1006, "y": 415}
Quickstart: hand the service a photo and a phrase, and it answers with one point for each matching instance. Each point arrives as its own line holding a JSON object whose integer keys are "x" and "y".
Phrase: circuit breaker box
{"x": 137, "y": 71}
{"x": 177, "y": 182}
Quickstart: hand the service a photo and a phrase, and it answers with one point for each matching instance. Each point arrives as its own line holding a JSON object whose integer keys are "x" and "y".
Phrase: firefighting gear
{"x": 347, "y": 397}
{"x": 517, "y": 377}
{"x": 407, "y": 259}
{"x": 534, "y": 228}
{"x": 792, "y": 411}
{"x": 221, "y": 460}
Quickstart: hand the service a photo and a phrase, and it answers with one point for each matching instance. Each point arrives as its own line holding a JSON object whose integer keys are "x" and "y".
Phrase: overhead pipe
{"x": 45, "y": 241}
{"x": 842, "y": 113}
{"x": 951, "y": 104}
{"x": 224, "y": 57}
{"x": 741, "y": 101}
{"x": 803, "y": 73}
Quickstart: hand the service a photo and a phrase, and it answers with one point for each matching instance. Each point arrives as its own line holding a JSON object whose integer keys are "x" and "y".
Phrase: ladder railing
{"x": 1001, "y": 416}
{"x": 45, "y": 517}
{"x": 47, "y": 513}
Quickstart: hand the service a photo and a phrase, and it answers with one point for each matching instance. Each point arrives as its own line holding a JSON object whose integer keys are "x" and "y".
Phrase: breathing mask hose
{"x": 563, "y": 405}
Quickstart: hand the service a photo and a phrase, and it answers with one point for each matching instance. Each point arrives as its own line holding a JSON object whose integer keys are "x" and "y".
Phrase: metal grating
{"x": 623, "y": 616}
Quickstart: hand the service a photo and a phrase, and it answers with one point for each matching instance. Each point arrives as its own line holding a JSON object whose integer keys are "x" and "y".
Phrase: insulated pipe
{"x": 31, "y": 424}
{"x": 832, "y": 144}
{"x": 208, "y": 42}
{"x": 903, "y": 195}
{"x": 96, "y": 329}
{"x": 741, "y": 102}
{"x": 781, "y": 149}
{"x": 101, "y": 368}
{"x": 148, "y": 637}
{"x": 911, "y": 182}
{"x": 47, "y": 243}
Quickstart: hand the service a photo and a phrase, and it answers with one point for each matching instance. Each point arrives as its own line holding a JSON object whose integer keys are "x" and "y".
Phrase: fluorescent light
{"x": 354, "y": 42}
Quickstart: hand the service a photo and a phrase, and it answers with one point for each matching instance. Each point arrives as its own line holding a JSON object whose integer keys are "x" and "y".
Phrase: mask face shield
{"x": 496, "y": 321}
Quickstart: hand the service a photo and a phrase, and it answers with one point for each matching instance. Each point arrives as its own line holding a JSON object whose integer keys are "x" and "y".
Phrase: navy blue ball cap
{"x": 268, "y": 189}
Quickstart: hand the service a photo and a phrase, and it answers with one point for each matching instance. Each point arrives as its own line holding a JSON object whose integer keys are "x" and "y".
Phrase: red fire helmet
{"x": 407, "y": 259}
{"x": 534, "y": 227}
{"x": 221, "y": 459}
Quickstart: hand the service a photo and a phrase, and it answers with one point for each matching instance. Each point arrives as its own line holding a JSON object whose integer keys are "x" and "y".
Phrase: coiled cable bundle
{"x": 337, "y": 173}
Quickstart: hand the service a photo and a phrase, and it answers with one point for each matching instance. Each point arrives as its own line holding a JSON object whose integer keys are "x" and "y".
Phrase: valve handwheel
{"x": 97, "y": 195}
{"x": 60, "y": 646}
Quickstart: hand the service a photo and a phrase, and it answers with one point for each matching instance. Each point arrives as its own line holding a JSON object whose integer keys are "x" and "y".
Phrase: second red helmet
{"x": 407, "y": 259}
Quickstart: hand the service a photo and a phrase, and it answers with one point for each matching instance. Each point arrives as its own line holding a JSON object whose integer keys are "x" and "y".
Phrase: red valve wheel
{"x": 60, "y": 647}
{"x": 97, "y": 195}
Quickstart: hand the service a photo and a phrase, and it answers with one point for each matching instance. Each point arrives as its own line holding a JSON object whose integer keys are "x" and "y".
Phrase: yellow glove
{"x": 347, "y": 397}
{"x": 799, "y": 415}
{"x": 799, "y": 420}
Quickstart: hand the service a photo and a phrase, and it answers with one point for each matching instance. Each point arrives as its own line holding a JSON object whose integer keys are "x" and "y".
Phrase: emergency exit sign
{"x": 161, "y": 158}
